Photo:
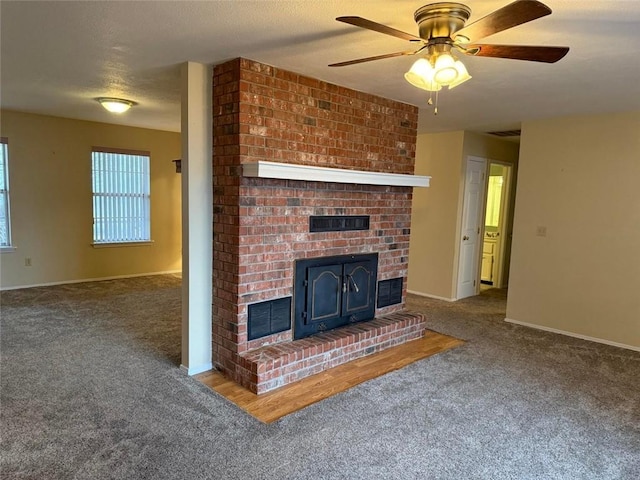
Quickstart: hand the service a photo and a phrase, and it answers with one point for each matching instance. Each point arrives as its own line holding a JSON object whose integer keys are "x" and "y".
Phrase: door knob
{"x": 465, "y": 238}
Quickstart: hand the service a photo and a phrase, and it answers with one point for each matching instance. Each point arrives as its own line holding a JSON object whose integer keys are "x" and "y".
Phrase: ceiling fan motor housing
{"x": 441, "y": 20}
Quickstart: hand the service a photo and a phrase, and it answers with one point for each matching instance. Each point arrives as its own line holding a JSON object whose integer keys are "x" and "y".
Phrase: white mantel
{"x": 288, "y": 171}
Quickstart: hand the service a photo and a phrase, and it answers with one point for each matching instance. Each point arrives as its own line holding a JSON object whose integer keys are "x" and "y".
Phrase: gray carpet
{"x": 91, "y": 390}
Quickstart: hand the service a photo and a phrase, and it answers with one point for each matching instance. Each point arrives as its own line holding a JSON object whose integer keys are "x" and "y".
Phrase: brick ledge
{"x": 273, "y": 366}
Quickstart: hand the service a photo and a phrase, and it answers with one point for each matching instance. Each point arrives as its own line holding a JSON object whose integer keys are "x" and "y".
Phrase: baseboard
{"x": 572, "y": 334}
{"x": 196, "y": 370}
{"x": 420, "y": 294}
{"x": 98, "y": 279}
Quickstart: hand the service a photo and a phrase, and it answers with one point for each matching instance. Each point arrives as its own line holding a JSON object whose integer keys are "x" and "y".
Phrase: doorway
{"x": 487, "y": 225}
{"x": 498, "y": 221}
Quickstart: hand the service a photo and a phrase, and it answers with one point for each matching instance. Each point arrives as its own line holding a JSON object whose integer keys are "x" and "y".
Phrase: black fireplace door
{"x": 357, "y": 298}
{"x": 334, "y": 291}
{"x": 324, "y": 285}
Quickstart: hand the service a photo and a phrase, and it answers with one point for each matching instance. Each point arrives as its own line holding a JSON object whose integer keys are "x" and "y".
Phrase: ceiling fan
{"x": 442, "y": 29}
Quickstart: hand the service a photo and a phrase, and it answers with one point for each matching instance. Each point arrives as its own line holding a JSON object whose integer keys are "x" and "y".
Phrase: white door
{"x": 474, "y": 188}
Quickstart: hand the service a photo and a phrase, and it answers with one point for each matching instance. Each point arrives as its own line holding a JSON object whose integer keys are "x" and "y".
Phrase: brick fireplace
{"x": 288, "y": 148}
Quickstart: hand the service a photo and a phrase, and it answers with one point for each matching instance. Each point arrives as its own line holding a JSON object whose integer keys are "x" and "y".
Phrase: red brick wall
{"x": 261, "y": 225}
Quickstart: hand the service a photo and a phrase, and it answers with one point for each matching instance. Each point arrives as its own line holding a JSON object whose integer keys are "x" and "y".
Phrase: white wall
{"x": 51, "y": 201}
{"x": 579, "y": 178}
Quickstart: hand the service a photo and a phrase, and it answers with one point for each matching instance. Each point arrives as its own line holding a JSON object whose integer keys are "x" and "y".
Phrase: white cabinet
{"x": 489, "y": 254}
{"x": 487, "y": 261}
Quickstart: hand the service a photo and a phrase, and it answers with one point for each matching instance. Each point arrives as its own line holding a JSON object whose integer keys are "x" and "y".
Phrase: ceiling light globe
{"x": 445, "y": 70}
{"x": 115, "y": 105}
{"x": 463, "y": 75}
{"x": 421, "y": 75}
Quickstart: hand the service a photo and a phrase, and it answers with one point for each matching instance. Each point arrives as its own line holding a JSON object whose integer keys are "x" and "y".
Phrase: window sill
{"x": 7, "y": 249}
{"x": 145, "y": 243}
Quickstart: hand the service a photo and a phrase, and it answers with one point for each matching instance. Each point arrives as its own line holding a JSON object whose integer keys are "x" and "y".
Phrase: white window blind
{"x": 5, "y": 221}
{"x": 121, "y": 196}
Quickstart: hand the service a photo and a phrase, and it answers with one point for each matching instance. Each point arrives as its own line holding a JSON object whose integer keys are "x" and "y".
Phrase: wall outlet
{"x": 541, "y": 231}
{"x": 27, "y": 261}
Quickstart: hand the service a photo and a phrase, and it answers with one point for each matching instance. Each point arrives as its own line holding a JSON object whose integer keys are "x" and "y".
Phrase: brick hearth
{"x": 261, "y": 225}
{"x": 276, "y": 365}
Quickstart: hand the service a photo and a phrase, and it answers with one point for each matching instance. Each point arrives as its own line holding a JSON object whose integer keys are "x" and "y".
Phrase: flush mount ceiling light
{"x": 442, "y": 27}
{"x": 115, "y": 105}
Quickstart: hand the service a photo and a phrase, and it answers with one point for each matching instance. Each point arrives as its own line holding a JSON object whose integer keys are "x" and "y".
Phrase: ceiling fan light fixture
{"x": 462, "y": 75}
{"x": 421, "y": 75}
{"x": 432, "y": 75}
{"x": 445, "y": 71}
{"x": 115, "y": 105}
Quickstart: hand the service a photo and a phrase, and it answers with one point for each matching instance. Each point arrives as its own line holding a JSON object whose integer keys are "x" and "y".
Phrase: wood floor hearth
{"x": 274, "y": 405}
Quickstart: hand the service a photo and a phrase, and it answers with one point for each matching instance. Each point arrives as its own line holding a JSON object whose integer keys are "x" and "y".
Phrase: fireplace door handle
{"x": 355, "y": 285}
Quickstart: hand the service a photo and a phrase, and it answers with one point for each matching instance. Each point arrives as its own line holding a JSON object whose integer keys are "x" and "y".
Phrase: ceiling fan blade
{"x": 378, "y": 27}
{"x": 519, "y": 52}
{"x": 370, "y": 59}
{"x": 516, "y": 13}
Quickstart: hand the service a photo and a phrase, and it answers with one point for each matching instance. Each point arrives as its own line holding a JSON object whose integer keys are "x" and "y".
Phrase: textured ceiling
{"x": 57, "y": 56}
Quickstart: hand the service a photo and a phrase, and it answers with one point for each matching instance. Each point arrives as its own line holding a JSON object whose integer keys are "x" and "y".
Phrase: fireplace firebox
{"x": 330, "y": 292}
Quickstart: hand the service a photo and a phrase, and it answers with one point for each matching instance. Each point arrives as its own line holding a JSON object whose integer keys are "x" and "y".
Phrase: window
{"x": 121, "y": 196}
{"x": 5, "y": 219}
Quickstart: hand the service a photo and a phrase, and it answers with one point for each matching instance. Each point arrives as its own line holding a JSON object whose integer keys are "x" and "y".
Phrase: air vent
{"x": 266, "y": 318}
{"x": 338, "y": 223}
{"x": 389, "y": 292}
{"x": 506, "y": 133}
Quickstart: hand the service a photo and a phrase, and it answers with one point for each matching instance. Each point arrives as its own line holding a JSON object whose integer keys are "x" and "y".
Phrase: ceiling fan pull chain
{"x": 430, "y": 102}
